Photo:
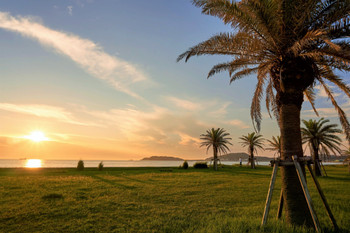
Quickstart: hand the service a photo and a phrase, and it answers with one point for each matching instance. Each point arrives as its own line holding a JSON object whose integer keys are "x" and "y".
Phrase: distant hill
{"x": 236, "y": 156}
{"x": 163, "y": 158}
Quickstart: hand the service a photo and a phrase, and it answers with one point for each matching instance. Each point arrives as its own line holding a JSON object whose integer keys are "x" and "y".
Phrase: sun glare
{"x": 36, "y": 136}
{"x": 33, "y": 163}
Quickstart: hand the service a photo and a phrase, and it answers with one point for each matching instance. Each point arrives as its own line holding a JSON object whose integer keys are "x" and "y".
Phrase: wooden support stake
{"x": 306, "y": 193}
{"x": 280, "y": 206}
{"x": 323, "y": 169}
{"x": 323, "y": 197}
{"x": 318, "y": 165}
{"x": 269, "y": 195}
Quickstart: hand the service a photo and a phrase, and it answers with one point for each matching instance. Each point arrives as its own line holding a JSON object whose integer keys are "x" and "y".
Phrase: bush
{"x": 100, "y": 166}
{"x": 52, "y": 196}
{"x": 185, "y": 165}
{"x": 80, "y": 166}
{"x": 200, "y": 165}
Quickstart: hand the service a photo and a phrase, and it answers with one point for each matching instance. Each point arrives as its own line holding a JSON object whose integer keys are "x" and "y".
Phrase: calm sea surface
{"x": 13, "y": 163}
{"x": 16, "y": 163}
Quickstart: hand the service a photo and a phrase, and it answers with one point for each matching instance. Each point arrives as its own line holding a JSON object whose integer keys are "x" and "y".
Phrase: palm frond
{"x": 310, "y": 95}
{"x": 342, "y": 116}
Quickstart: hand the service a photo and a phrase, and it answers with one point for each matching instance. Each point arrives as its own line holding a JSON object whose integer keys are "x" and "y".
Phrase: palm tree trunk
{"x": 296, "y": 208}
{"x": 251, "y": 151}
{"x": 317, "y": 167}
{"x": 215, "y": 150}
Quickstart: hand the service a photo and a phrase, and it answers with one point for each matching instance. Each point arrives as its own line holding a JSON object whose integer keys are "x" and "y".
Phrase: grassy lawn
{"x": 155, "y": 200}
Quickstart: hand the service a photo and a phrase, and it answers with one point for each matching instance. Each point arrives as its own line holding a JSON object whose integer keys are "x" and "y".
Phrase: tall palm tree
{"x": 275, "y": 145}
{"x": 218, "y": 139}
{"x": 253, "y": 141}
{"x": 320, "y": 137}
{"x": 292, "y": 45}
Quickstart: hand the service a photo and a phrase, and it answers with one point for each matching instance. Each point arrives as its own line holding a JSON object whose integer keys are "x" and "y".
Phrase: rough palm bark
{"x": 296, "y": 210}
{"x": 251, "y": 157}
{"x": 316, "y": 159}
{"x": 215, "y": 152}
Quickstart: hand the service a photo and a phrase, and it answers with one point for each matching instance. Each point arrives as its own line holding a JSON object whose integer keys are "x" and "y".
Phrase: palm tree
{"x": 216, "y": 138}
{"x": 253, "y": 141}
{"x": 275, "y": 145}
{"x": 320, "y": 138}
{"x": 292, "y": 45}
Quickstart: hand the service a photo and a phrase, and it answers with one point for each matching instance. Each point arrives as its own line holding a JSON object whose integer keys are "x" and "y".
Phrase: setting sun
{"x": 37, "y": 136}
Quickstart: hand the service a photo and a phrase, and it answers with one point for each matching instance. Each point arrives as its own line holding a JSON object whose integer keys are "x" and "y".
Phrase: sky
{"x": 100, "y": 80}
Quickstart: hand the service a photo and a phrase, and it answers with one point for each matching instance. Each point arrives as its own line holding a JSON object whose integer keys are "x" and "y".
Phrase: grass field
{"x": 155, "y": 200}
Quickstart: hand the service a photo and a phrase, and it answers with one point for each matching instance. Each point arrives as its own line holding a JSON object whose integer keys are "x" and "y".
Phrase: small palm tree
{"x": 321, "y": 138}
{"x": 253, "y": 141}
{"x": 275, "y": 145}
{"x": 218, "y": 139}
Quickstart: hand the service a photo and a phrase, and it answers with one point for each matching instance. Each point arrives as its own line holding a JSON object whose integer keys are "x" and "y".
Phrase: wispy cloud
{"x": 238, "y": 123}
{"x": 47, "y": 111}
{"x": 221, "y": 110}
{"x": 156, "y": 125}
{"x": 321, "y": 93}
{"x": 87, "y": 54}
{"x": 323, "y": 112}
{"x": 70, "y": 10}
{"x": 185, "y": 104}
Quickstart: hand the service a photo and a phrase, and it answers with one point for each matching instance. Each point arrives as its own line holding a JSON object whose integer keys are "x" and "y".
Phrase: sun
{"x": 37, "y": 136}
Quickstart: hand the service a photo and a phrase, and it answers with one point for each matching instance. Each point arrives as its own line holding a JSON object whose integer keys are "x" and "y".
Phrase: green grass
{"x": 155, "y": 200}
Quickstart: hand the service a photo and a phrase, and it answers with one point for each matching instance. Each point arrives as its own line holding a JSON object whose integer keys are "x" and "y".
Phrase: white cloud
{"x": 221, "y": 111}
{"x": 47, "y": 111}
{"x": 239, "y": 124}
{"x": 70, "y": 10}
{"x": 185, "y": 104}
{"x": 87, "y": 54}
{"x": 321, "y": 93}
{"x": 157, "y": 125}
{"x": 323, "y": 112}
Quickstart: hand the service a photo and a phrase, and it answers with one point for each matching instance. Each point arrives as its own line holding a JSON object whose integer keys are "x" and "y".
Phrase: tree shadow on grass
{"x": 335, "y": 178}
{"x": 133, "y": 179}
{"x": 111, "y": 182}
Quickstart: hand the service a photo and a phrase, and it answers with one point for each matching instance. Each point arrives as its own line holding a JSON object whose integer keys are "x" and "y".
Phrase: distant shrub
{"x": 200, "y": 165}
{"x": 80, "y": 166}
{"x": 52, "y": 196}
{"x": 185, "y": 165}
{"x": 100, "y": 166}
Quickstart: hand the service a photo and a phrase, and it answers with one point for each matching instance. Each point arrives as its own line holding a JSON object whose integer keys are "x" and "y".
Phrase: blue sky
{"x": 100, "y": 78}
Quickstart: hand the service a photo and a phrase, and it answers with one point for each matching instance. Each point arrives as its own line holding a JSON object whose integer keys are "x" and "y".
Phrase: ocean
{"x": 17, "y": 163}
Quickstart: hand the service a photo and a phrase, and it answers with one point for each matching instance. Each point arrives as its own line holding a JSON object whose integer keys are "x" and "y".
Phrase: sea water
{"x": 16, "y": 163}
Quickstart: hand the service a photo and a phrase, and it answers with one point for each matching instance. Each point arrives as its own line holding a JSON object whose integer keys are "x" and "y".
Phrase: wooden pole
{"x": 306, "y": 193}
{"x": 323, "y": 168}
{"x": 280, "y": 206}
{"x": 323, "y": 197}
{"x": 269, "y": 195}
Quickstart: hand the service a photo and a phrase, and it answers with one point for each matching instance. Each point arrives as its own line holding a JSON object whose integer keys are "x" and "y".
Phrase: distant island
{"x": 163, "y": 158}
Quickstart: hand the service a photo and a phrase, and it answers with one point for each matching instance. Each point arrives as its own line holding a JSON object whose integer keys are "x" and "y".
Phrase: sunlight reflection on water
{"x": 33, "y": 163}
